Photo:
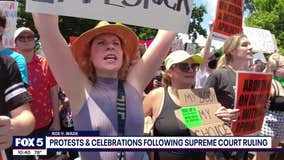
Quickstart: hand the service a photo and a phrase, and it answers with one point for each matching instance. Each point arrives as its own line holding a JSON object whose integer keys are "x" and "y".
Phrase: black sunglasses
{"x": 25, "y": 38}
{"x": 184, "y": 67}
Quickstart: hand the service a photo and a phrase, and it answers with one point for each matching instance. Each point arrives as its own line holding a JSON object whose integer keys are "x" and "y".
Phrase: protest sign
{"x": 190, "y": 47}
{"x": 10, "y": 9}
{"x": 229, "y": 18}
{"x": 144, "y": 13}
{"x": 253, "y": 90}
{"x": 198, "y": 115}
{"x": 177, "y": 45}
{"x": 261, "y": 40}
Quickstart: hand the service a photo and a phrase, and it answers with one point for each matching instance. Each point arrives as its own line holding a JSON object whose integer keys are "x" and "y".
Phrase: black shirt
{"x": 223, "y": 81}
{"x": 12, "y": 90}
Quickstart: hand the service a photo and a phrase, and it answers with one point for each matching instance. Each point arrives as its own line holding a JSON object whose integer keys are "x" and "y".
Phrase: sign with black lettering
{"x": 198, "y": 113}
{"x": 261, "y": 40}
{"x": 163, "y": 14}
{"x": 229, "y": 19}
{"x": 253, "y": 90}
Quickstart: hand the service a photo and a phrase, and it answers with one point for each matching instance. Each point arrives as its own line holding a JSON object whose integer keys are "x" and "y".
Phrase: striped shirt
{"x": 12, "y": 90}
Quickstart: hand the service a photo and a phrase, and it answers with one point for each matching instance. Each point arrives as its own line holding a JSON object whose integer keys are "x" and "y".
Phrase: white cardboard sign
{"x": 261, "y": 40}
{"x": 163, "y": 14}
{"x": 10, "y": 9}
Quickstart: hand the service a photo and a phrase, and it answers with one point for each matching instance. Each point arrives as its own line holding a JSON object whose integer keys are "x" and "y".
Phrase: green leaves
{"x": 268, "y": 14}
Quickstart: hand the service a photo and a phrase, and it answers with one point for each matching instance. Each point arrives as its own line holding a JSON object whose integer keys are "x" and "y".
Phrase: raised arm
{"x": 144, "y": 70}
{"x": 60, "y": 59}
{"x": 206, "y": 51}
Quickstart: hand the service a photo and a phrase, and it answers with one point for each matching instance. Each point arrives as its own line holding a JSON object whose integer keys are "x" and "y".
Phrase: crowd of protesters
{"x": 112, "y": 85}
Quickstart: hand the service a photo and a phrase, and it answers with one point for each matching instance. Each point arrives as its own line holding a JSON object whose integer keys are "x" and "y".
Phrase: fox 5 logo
{"x": 28, "y": 142}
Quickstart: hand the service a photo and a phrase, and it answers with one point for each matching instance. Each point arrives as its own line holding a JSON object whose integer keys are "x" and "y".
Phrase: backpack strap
{"x": 121, "y": 114}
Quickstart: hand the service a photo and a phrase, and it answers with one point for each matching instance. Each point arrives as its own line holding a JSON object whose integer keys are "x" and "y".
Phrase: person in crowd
{"x": 21, "y": 62}
{"x": 14, "y": 101}
{"x": 237, "y": 55}
{"x": 98, "y": 68}
{"x": 258, "y": 66}
{"x": 160, "y": 103}
{"x": 42, "y": 85}
{"x": 210, "y": 58}
{"x": 273, "y": 123}
{"x": 258, "y": 62}
{"x": 66, "y": 121}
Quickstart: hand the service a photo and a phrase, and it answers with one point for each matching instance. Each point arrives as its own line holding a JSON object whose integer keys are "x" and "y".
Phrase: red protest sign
{"x": 229, "y": 16}
{"x": 253, "y": 90}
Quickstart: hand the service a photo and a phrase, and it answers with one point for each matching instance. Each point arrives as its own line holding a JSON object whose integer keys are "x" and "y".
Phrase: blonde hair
{"x": 230, "y": 44}
{"x": 274, "y": 61}
{"x": 89, "y": 70}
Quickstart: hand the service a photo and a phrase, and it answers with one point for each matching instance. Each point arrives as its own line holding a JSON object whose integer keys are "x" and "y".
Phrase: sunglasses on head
{"x": 184, "y": 67}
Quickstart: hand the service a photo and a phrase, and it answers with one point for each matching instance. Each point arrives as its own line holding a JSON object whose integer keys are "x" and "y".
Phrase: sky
{"x": 211, "y": 10}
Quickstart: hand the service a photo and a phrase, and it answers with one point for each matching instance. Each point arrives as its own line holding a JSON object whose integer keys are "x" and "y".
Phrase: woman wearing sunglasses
{"x": 161, "y": 103}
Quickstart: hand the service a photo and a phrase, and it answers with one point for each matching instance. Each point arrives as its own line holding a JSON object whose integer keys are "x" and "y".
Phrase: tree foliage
{"x": 195, "y": 24}
{"x": 269, "y": 14}
{"x": 71, "y": 26}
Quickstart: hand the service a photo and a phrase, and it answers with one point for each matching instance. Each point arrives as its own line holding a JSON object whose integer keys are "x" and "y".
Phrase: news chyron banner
{"x": 146, "y": 13}
{"x": 228, "y": 19}
{"x": 84, "y": 141}
{"x": 252, "y": 94}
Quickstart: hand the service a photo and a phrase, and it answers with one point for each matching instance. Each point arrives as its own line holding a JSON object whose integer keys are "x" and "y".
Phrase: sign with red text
{"x": 146, "y": 13}
{"x": 198, "y": 113}
{"x": 229, "y": 19}
{"x": 253, "y": 91}
{"x": 10, "y": 9}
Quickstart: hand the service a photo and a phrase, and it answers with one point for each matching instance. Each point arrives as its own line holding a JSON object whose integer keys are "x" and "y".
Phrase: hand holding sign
{"x": 227, "y": 115}
{"x": 6, "y": 132}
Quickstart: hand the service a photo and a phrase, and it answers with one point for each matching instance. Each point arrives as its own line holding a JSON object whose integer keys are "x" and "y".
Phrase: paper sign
{"x": 261, "y": 40}
{"x": 199, "y": 115}
{"x": 253, "y": 90}
{"x": 10, "y": 9}
{"x": 229, "y": 19}
{"x": 145, "y": 13}
{"x": 191, "y": 117}
{"x": 177, "y": 45}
